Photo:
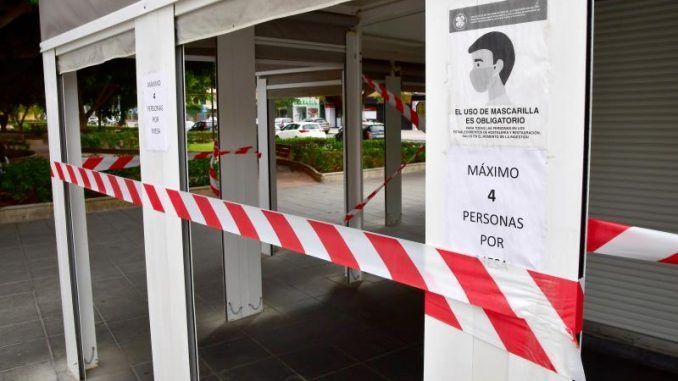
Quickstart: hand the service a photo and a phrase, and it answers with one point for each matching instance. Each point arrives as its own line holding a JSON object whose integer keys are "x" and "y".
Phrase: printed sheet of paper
{"x": 496, "y": 205}
{"x": 155, "y": 116}
{"x": 498, "y": 89}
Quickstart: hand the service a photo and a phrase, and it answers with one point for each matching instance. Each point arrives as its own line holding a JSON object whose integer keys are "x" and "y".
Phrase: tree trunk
{"x": 20, "y": 123}
{"x": 4, "y": 119}
{"x": 104, "y": 95}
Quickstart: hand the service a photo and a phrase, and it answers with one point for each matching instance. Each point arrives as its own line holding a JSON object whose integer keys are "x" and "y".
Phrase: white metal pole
{"x": 393, "y": 196}
{"x": 67, "y": 283}
{"x": 236, "y": 104}
{"x": 353, "y": 148}
{"x": 182, "y": 144}
{"x": 272, "y": 163}
{"x": 78, "y": 215}
{"x": 164, "y": 236}
{"x": 266, "y": 145}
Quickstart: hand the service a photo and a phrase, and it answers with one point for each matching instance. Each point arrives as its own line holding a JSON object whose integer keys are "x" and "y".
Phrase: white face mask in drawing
{"x": 485, "y": 71}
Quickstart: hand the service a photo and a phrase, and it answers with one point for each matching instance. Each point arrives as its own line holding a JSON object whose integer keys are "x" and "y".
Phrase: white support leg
{"x": 272, "y": 162}
{"x": 266, "y": 144}
{"x": 76, "y": 334}
{"x": 71, "y": 120}
{"x": 239, "y": 178}
{"x": 392, "y": 142}
{"x": 353, "y": 147}
{"x": 165, "y": 245}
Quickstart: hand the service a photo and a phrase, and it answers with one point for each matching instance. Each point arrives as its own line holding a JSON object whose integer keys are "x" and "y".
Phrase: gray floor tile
{"x": 17, "y": 308}
{"x": 404, "y": 365}
{"x": 367, "y": 344}
{"x": 19, "y": 287}
{"x": 17, "y": 333}
{"x": 270, "y": 369}
{"x": 357, "y": 372}
{"x": 232, "y": 353}
{"x": 126, "y": 331}
{"x": 138, "y": 350}
{"x": 316, "y": 361}
{"x": 23, "y": 353}
{"x": 33, "y": 372}
{"x": 144, "y": 371}
{"x": 122, "y": 307}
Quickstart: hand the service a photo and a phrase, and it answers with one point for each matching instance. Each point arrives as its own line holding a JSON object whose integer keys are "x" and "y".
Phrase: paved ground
{"x": 312, "y": 328}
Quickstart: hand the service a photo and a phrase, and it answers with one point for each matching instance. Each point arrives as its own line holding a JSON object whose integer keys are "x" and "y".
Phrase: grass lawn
{"x": 199, "y": 147}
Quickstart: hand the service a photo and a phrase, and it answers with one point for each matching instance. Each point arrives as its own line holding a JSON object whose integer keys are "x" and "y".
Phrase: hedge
{"x": 326, "y": 155}
{"x": 26, "y": 181}
{"x": 128, "y": 138}
{"x": 124, "y": 138}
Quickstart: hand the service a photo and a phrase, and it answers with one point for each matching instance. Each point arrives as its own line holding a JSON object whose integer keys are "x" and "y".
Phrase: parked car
{"x": 279, "y": 123}
{"x": 189, "y": 124}
{"x": 302, "y": 130}
{"x": 282, "y": 122}
{"x": 370, "y": 131}
{"x": 325, "y": 125}
{"x": 203, "y": 125}
{"x": 333, "y": 131}
{"x": 373, "y": 131}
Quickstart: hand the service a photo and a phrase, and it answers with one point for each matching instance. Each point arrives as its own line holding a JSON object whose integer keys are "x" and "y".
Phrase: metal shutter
{"x": 634, "y": 164}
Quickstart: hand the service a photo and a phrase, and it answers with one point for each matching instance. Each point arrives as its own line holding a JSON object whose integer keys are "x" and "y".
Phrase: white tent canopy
{"x": 89, "y": 32}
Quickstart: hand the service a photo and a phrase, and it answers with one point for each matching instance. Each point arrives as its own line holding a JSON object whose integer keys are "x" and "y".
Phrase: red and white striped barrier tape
{"x": 108, "y": 162}
{"x": 546, "y": 307}
{"x": 631, "y": 242}
{"x": 603, "y": 237}
{"x": 212, "y": 173}
{"x": 358, "y": 208}
{"x": 214, "y": 180}
{"x": 395, "y": 101}
{"x": 521, "y": 337}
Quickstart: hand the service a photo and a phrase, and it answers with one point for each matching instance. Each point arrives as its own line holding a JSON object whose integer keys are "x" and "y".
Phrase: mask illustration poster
{"x": 498, "y": 70}
{"x": 498, "y": 88}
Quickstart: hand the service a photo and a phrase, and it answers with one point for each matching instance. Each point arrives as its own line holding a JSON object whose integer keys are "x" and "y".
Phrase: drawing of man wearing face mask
{"x": 493, "y": 58}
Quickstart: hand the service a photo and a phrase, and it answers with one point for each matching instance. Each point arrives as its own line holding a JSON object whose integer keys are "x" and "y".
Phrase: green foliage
{"x": 326, "y": 155}
{"x": 17, "y": 144}
{"x": 198, "y": 174}
{"x": 36, "y": 128}
{"x": 109, "y": 90}
{"x": 27, "y": 180}
{"x": 200, "y": 137}
{"x": 284, "y": 102}
{"x": 199, "y": 83}
{"x": 126, "y": 138}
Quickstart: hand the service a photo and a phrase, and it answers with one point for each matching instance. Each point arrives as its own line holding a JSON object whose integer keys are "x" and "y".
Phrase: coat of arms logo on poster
{"x": 460, "y": 21}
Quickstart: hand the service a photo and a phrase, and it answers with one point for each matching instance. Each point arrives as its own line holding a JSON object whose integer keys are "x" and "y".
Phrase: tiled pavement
{"x": 313, "y": 327}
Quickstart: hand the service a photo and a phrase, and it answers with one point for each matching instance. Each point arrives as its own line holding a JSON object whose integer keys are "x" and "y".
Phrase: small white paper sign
{"x": 496, "y": 203}
{"x": 155, "y": 115}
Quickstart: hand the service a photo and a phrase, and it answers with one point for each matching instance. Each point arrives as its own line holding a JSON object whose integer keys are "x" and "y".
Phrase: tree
{"x": 199, "y": 84}
{"x": 21, "y": 79}
{"x": 107, "y": 90}
{"x": 11, "y": 10}
{"x": 23, "y": 82}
